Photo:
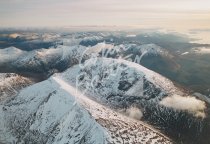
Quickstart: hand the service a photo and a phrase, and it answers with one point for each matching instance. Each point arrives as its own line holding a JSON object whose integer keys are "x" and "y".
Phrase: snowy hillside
{"x": 59, "y": 58}
{"x": 54, "y": 112}
{"x": 121, "y": 85}
{"x": 43, "y": 113}
{"x": 115, "y": 80}
{"x": 121, "y": 129}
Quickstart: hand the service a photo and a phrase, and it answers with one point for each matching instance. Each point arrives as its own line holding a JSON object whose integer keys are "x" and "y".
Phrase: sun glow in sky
{"x": 141, "y": 13}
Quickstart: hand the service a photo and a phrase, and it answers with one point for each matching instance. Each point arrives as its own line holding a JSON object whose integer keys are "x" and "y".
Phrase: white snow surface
{"x": 45, "y": 113}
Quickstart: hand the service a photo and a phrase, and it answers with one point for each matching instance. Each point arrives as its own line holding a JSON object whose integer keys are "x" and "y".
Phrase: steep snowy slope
{"x": 54, "y": 112}
{"x": 107, "y": 78}
{"x": 44, "y": 113}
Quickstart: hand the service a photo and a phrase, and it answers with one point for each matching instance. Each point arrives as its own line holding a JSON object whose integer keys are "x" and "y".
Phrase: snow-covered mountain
{"x": 55, "y": 112}
{"x": 44, "y": 60}
{"x": 101, "y": 93}
{"x": 107, "y": 78}
{"x": 127, "y": 51}
{"x": 40, "y": 61}
{"x": 121, "y": 85}
{"x": 91, "y": 103}
{"x": 61, "y": 57}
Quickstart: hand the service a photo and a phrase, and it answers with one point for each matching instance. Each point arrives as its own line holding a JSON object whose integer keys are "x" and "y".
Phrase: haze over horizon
{"x": 189, "y": 14}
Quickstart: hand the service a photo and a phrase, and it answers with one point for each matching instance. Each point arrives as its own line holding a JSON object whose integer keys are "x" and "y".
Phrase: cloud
{"x": 187, "y": 103}
{"x": 202, "y": 50}
{"x": 134, "y": 113}
{"x": 149, "y": 13}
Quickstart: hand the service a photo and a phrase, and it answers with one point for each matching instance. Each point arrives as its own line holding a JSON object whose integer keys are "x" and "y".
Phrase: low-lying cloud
{"x": 190, "y": 104}
{"x": 134, "y": 113}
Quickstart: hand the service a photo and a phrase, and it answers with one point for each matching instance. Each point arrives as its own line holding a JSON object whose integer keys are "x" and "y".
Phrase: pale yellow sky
{"x": 182, "y": 14}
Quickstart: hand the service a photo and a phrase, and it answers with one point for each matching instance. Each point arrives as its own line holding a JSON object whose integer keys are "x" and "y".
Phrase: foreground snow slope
{"x": 44, "y": 113}
{"x": 51, "y": 112}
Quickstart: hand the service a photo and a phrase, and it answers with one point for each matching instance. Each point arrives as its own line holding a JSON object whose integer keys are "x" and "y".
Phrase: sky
{"x": 193, "y": 14}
